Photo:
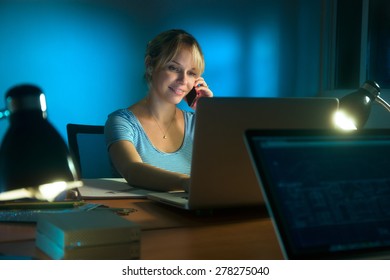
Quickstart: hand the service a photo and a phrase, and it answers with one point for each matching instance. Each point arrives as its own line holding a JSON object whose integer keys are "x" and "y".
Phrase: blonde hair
{"x": 164, "y": 47}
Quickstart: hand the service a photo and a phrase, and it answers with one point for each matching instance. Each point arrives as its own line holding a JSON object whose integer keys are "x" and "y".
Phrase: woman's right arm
{"x": 129, "y": 164}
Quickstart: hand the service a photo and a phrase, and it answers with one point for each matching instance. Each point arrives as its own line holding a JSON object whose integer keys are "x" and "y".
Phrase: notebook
{"x": 221, "y": 171}
{"x": 327, "y": 191}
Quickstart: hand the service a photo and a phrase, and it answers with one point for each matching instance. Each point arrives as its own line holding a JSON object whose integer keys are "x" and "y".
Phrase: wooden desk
{"x": 169, "y": 233}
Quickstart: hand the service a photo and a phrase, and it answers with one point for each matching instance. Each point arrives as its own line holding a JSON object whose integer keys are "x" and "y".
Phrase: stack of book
{"x": 95, "y": 234}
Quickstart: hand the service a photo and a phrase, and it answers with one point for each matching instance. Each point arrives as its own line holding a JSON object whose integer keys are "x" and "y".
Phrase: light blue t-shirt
{"x": 124, "y": 125}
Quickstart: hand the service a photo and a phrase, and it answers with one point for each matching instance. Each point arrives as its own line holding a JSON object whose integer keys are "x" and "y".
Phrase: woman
{"x": 150, "y": 142}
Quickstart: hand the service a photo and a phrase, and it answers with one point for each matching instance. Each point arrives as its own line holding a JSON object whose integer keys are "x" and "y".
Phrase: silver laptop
{"x": 221, "y": 171}
{"x": 327, "y": 191}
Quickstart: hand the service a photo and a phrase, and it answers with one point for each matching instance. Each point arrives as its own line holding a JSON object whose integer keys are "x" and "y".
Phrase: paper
{"x": 109, "y": 188}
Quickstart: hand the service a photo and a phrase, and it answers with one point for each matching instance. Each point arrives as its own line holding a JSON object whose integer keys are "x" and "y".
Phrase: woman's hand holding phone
{"x": 199, "y": 90}
{"x": 191, "y": 97}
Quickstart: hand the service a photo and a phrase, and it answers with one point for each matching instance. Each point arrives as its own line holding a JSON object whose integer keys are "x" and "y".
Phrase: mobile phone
{"x": 191, "y": 96}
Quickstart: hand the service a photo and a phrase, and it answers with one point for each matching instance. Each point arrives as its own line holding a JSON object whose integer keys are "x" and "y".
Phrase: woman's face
{"x": 174, "y": 80}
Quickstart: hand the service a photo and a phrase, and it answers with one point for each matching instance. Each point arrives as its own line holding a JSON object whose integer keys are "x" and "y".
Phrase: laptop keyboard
{"x": 338, "y": 202}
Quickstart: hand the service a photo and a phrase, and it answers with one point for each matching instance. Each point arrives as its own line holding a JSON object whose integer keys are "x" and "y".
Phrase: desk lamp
{"x": 35, "y": 162}
{"x": 355, "y": 107}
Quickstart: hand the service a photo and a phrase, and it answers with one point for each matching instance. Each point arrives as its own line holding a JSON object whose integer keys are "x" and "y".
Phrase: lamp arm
{"x": 381, "y": 101}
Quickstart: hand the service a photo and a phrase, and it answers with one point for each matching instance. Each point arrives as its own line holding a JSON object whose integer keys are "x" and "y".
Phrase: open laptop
{"x": 327, "y": 191}
{"x": 221, "y": 171}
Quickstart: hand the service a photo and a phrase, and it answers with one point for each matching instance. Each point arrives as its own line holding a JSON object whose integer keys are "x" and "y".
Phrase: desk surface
{"x": 170, "y": 233}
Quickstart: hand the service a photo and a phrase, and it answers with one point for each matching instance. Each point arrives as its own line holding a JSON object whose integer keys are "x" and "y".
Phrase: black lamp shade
{"x": 357, "y": 105}
{"x": 32, "y": 152}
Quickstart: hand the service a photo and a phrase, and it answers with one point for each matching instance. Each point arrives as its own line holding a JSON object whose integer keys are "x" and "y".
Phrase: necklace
{"x": 162, "y": 130}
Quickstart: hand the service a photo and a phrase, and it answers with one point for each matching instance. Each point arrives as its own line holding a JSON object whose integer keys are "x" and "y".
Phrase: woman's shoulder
{"x": 121, "y": 117}
{"x": 189, "y": 117}
{"x": 188, "y": 114}
{"x": 124, "y": 112}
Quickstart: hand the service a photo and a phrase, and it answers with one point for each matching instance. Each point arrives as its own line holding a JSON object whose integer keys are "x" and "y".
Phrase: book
{"x": 120, "y": 251}
{"x": 93, "y": 234}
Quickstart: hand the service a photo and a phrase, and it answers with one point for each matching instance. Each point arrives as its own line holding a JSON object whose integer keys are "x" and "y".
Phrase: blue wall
{"x": 87, "y": 56}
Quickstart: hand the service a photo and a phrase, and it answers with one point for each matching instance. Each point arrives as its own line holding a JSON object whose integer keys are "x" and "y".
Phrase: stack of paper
{"x": 101, "y": 188}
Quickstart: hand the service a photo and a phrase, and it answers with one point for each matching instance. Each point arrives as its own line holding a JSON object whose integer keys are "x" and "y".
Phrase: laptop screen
{"x": 327, "y": 192}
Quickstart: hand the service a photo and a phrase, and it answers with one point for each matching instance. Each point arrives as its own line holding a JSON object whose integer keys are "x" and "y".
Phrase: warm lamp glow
{"x": 45, "y": 192}
{"x": 355, "y": 107}
{"x": 343, "y": 121}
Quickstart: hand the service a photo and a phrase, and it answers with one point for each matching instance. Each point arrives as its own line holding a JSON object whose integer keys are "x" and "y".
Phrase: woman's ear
{"x": 148, "y": 62}
{"x": 148, "y": 65}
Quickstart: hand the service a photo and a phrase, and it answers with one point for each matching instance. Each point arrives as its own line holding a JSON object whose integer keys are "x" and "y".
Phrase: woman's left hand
{"x": 202, "y": 90}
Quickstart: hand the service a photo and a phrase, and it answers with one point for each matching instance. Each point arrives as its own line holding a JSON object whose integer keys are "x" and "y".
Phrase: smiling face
{"x": 174, "y": 79}
{"x": 173, "y": 61}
